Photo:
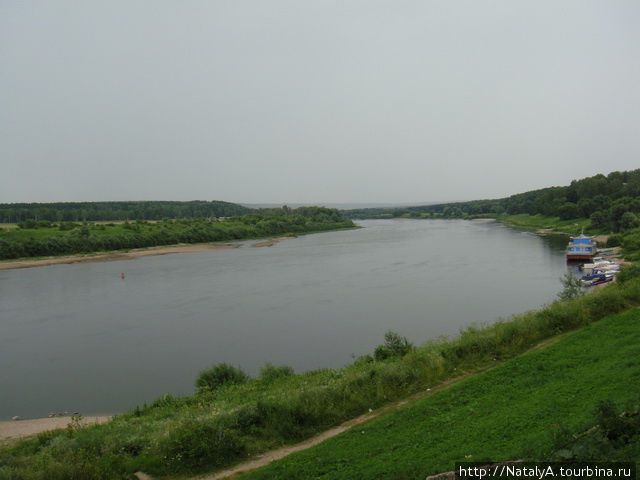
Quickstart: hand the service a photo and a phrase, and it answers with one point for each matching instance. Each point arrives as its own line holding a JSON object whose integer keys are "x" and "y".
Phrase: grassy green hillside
{"x": 525, "y": 408}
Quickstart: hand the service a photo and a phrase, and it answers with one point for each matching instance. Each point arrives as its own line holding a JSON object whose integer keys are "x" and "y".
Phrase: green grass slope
{"x": 523, "y": 408}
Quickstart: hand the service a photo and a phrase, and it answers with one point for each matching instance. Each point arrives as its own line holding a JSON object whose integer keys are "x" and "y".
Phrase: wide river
{"x": 80, "y": 338}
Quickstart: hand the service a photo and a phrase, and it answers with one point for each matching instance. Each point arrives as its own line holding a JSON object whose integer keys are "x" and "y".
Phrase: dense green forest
{"x": 43, "y": 238}
{"x": 611, "y": 202}
{"x": 92, "y": 211}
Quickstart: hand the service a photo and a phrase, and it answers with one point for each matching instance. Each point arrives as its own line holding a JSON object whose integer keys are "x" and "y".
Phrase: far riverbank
{"x": 132, "y": 254}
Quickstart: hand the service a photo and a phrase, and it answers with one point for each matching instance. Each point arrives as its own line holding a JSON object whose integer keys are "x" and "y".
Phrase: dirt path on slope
{"x": 268, "y": 457}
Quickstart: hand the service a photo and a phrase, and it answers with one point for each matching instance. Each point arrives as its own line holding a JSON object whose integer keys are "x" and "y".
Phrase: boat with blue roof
{"x": 581, "y": 248}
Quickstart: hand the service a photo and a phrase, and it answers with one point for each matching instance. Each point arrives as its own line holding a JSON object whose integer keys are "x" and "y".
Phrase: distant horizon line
{"x": 257, "y": 204}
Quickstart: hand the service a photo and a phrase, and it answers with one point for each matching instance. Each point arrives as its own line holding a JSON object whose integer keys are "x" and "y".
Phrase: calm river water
{"x": 79, "y": 338}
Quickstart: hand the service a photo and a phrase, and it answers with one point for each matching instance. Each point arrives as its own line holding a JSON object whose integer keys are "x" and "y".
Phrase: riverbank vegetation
{"x": 608, "y": 203}
{"x": 628, "y": 240}
{"x": 577, "y": 399}
{"x": 227, "y": 420}
{"x": 44, "y": 238}
{"x": 537, "y": 223}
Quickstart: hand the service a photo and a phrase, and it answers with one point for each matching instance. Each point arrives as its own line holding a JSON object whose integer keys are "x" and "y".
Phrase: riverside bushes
{"x": 199, "y": 443}
{"x": 219, "y": 375}
{"x": 610, "y": 203}
{"x": 86, "y": 238}
{"x": 394, "y": 346}
{"x": 219, "y": 427}
{"x": 270, "y": 372}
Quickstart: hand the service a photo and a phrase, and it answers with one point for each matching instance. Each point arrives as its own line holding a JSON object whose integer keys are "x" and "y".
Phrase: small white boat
{"x": 599, "y": 264}
{"x": 614, "y": 267}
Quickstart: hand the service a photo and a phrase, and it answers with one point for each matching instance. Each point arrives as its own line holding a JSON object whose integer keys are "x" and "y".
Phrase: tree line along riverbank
{"x": 605, "y": 204}
{"x": 231, "y": 416}
{"x": 117, "y": 211}
{"x": 599, "y": 205}
{"x": 42, "y": 238}
{"x": 628, "y": 240}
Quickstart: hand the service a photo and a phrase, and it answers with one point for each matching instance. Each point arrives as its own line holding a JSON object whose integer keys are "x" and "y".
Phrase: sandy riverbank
{"x": 135, "y": 253}
{"x": 15, "y": 429}
{"x": 270, "y": 242}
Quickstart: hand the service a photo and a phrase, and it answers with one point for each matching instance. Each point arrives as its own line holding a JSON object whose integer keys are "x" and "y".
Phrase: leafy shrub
{"x": 197, "y": 444}
{"x": 295, "y": 418}
{"x": 631, "y": 290}
{"x": 571, "y": 287}
{"x": 629, "y": 221}
{"x": 65, "y": 226}
{"x": 219, "y": 375}
{"x": 247, "y": 417}
{"x": 270, "y": 372}
{"x": 631, "y": 242}
{"x": 82, "y": 232}
{"x": 628, "y": 272}
{"x": 606, "y": 302}
{"x": 363, "y": 360}
{"x": 609, "y": 420}
{"x": 614, "y": 240}
{"x": 381, "y": 353}
{"x": 612, "y": 433}
{"x": 394, "y": 346}
{"x": 428, "y": 362}
{"x": 6, "y": 473}
{"x": 166, "y": 400}
{"x": 28, "y": 224}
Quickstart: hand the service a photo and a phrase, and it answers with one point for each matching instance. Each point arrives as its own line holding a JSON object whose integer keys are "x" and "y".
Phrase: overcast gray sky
{"x": 314, "y": 101}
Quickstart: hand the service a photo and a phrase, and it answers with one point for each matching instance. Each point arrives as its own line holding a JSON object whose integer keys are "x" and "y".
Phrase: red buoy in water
{"x": 122, "y": 275}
